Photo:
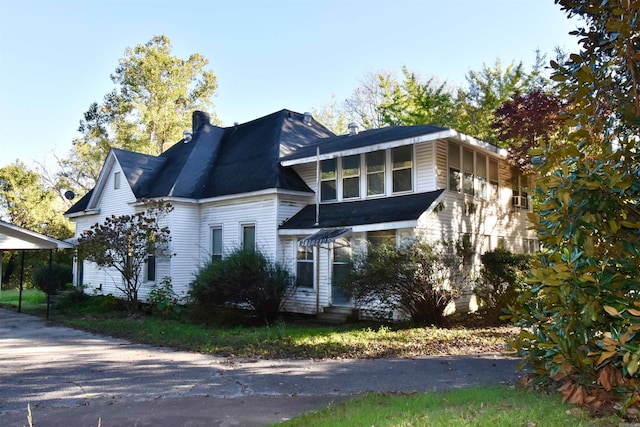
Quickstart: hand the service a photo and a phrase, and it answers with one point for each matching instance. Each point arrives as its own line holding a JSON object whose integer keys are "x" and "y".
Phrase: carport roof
{"x": 13, "y": 237}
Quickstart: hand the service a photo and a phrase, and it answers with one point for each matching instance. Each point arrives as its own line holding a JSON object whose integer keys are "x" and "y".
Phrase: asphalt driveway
{"x": 73, "y": 378}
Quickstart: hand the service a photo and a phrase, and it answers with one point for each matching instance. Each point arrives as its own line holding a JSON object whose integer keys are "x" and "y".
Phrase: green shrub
{"x": 415, "y": 279}
{"x": 81, "y": 302}
{"x": 60, "y": 276}
{"x": 502, "y": 278}
{"x": 243, "y": 278}
{"x": 163, "y": 300}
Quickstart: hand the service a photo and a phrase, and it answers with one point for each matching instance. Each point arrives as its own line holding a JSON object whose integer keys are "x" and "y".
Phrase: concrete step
{"x": 336, "y": 315}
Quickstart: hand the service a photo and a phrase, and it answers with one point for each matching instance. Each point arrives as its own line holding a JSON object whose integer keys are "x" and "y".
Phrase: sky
{"x": 56, "y": 56}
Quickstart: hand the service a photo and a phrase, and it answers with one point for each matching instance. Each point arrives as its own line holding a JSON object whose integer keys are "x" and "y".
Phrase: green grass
{"x": 33, "y": 300}
{"x": 486, "y": 406}
{"x": 294, "y": 341}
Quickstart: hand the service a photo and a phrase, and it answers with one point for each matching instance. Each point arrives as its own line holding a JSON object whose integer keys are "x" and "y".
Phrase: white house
{"x": 308, "y": 198}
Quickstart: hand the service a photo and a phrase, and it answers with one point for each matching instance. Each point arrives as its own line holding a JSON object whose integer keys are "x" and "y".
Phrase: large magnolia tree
{"x": 581, "y": 317}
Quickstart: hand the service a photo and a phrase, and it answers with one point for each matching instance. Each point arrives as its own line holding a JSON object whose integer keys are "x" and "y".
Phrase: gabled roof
{"x": 218, "y": 161}
{"x": 364, "y": 212}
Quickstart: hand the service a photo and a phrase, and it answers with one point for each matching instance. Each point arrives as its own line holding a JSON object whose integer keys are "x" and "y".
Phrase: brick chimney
{"x": 198, "y": 119}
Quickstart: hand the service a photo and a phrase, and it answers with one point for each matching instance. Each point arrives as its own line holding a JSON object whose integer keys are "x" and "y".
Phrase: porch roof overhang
{"x": 13, "y": 237}
{"x": 324, "y": 236}
{"x": 361, "y": 214}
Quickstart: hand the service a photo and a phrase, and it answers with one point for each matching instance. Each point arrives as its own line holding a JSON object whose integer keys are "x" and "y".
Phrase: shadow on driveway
{"x": 70, "y": 378}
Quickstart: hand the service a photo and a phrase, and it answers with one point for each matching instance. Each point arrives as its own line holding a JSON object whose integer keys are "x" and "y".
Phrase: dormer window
{"x": 375, "y": 173}
{"x": 401, "y": 165}
{"x": 116, "y": 180}
{"x": 328, "y": 178}
{"x": 351, "y": 177}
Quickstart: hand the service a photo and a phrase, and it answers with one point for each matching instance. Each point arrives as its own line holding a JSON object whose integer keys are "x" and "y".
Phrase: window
{"x": 520, "y": 190}
{"x": 151, "y": 267}
{"x": 249, "y": 237}
{"x": 79, "y": 272}
{"x": 454, "y": 167}
{"x": 380, "y": 238}
{"x": 467, "y": 184}
{"x": 467, "y": 247}
{"x": 304, "y": 267}
{"x": 481, "y": 176}
{"x": 328, "y": 180}
{"x": 116, "y": 180}
{"x": 531, "y": 246}
{"x": 341, "y": 266}
{"x": 351, "y": 177}
{"x": 486, "y": 243}
{"x": 375, "y": 173}
{"x": 501, "y": 243}
{"x": 216, "y": 243}
{"x": 401, "y": 165}
{"x": 494, "y": 189}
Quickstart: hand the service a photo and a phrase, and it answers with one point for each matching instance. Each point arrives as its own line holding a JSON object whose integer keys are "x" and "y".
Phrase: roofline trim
{"x": 41, "y": 237}
{"x": 85, "y": 212}
{"x": 411, "y": 223}
{"x": 101, "y": 182}
{"x": 269, "y": 191}
{"x": 444, "y": 134}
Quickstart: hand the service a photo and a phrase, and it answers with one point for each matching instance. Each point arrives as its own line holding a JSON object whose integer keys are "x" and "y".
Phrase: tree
{"x": 415, "y": 102}
{"x": 332, "y": 117}
{"x": 363, "y": 106}
{"x": 580, "y": 317}
{"x": 487, "y": 90}
{"x": 146, "y": 112}
{"x": 156, "y": 94}
{"x": 26, "y": 202}
{"x": 528, "y": 118}
{"x": 124, "y": 243}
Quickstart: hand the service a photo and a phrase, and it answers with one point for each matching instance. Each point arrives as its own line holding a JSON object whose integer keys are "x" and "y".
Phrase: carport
{"x": 14, "y": 238}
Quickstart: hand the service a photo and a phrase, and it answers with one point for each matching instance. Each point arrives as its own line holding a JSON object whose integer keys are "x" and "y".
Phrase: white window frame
{"x": 116, "y": 180}
{"x": 519, "y": 198}
{"x": 148, "y": 263}
{"x": 324, "y": 180}
{"x": 214, "y": 255}
{"x": 485, "y": 187}
{"x": 383, "y": 172}
{"x": 244, "y": 226}
{"x": 308, "y": 250}
{"x": 343, "y": 177}
{"x": 394, "y": 169}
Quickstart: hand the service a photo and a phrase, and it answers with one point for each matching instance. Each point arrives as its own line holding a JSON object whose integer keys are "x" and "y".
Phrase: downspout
{"x": 318, "y": 279}
{"x": 49, "y": 282}
{"x": 21, "y": 283}
{"x": 317, "y": 224}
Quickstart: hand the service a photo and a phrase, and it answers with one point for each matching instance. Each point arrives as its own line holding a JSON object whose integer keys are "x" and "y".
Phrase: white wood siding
{"x": 425, "y": 166}
{"x": 185, "y": 248}
{"x": 303, "y": 300}
{"x": 442, "y": 168}
{"x": 232, "y": 214}
{"x": 307, "y": 172}
{"x": 111, "y": 202}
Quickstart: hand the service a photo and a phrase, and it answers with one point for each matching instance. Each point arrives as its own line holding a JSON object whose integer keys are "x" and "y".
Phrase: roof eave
{"x": 444, "y": 134}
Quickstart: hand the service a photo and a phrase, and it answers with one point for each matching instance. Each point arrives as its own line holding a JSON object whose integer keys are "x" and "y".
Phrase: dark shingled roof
{"x": 363, "y": 139}
{"x": 362, "y": 212}
{"x": 222, "y": 161}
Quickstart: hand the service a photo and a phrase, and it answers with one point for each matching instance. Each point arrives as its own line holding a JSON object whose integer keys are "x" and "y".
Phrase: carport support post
{"x": 49, "y": 282}
{"x": 21, "y": 283}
